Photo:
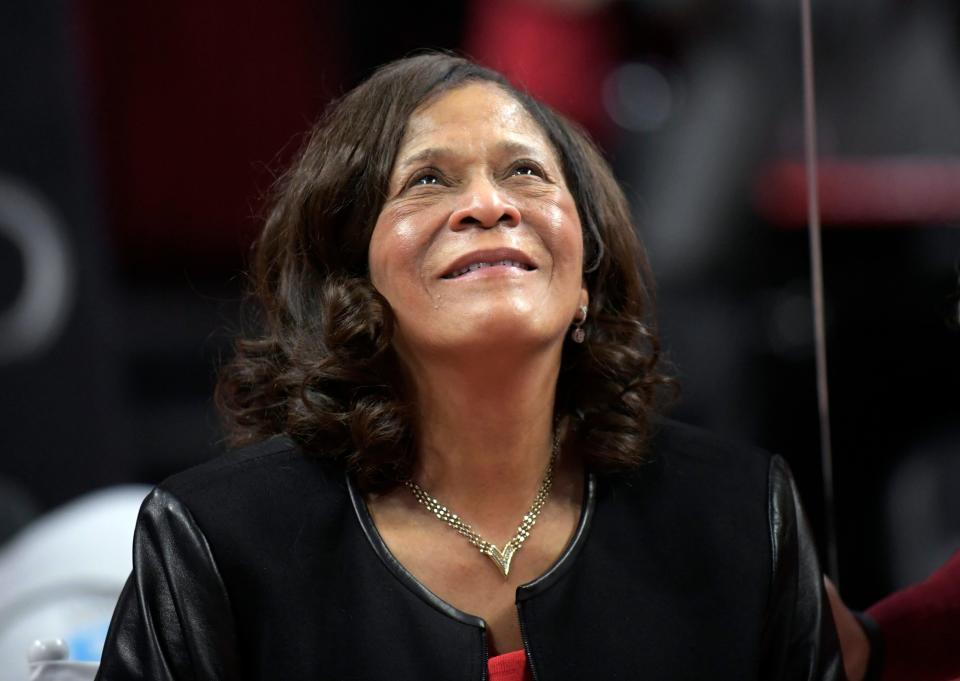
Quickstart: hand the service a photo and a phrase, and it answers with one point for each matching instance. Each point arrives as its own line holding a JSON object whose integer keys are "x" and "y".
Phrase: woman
{"x": 452, "y": 453}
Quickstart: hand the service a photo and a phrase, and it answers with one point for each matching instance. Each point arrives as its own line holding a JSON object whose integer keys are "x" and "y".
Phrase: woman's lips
{"x": 491, "y": 262}
{"x": 480, "y": 269}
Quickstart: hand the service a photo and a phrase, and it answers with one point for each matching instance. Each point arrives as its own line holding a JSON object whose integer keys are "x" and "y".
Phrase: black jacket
{"x": 264, "y": 564}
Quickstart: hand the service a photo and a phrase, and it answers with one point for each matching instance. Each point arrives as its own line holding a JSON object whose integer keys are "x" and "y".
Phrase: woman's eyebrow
{"x": 519, "y": 149}
{"x": 509, "y": 147}
{"x": 428, "y": 154}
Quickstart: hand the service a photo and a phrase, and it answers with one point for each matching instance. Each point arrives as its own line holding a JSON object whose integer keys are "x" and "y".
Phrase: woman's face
{"x": 478, "y": 245}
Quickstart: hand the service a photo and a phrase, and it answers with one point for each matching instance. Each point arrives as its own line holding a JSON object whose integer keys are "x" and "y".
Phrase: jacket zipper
{"x": 484, "y": 654}
{"x": 526, "y": 644}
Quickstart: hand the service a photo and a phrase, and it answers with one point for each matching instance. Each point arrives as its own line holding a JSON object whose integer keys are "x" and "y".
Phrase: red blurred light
{"x": 875, "y": 192}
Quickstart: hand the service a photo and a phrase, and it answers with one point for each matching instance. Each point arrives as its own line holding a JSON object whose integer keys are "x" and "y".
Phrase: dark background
{"x": 137, "y": 141}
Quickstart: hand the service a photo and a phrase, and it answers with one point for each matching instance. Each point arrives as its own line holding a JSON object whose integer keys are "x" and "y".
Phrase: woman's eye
{"x": 425, "y": 179}
{"x": 527, "y": 169}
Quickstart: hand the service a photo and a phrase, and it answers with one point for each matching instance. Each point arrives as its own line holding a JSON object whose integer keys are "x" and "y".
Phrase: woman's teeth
{"x": 481, "y": 265}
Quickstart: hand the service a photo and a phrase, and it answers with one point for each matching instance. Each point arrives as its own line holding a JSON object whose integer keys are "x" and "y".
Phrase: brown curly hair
{"x": 322, "y": 369}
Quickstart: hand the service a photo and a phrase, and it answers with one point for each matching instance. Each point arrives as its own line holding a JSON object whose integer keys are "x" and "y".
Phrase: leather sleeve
{"x": 799, "y": 638}
{"x": 173, "y": 619}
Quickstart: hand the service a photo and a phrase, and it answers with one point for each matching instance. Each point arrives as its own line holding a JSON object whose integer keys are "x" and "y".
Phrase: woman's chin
{"x": 491, "y": 333}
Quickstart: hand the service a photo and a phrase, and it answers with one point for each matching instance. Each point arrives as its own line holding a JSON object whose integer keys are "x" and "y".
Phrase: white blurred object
{"x": 48, "y": 651}
{"x": 60, "y": 576}
{"x": 48, "y": 662}
{"x": 40, "y": 312}
{"x": 63, "y": 671}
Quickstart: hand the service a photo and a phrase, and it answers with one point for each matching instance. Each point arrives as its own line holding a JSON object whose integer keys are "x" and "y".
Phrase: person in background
{"x": 911, "y": 635}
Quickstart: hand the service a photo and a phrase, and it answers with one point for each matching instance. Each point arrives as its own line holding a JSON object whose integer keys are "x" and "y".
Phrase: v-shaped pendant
{"x": 502, "y": 558}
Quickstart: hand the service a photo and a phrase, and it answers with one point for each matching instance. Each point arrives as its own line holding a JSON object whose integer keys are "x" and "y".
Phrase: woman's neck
{"x": 486, "y": 435}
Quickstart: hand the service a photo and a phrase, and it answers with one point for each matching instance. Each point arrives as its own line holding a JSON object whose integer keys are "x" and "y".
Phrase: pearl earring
{"x": 578, "y": 335}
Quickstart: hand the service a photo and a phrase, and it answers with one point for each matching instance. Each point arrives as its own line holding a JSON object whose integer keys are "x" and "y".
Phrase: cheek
{"x": 391, "y": 245}
{"x": 394, "y": 254}
{"x": 565, "y": 237}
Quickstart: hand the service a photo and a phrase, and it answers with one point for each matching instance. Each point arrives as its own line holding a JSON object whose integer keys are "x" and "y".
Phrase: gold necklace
{"x": 500, "y": 557}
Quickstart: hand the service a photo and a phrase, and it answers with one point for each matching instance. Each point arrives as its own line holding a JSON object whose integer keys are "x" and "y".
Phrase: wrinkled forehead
{"x": 472, "y": 118}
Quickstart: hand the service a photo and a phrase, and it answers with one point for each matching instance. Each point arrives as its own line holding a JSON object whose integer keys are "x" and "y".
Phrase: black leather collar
{"x": 567, "y": 558}
{"x": 524, "y": 592}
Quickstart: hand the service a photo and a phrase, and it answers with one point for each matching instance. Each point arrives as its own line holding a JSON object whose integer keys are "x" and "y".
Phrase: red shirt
{"x": 509, "y": 667}
{"x": 920, "y": 626}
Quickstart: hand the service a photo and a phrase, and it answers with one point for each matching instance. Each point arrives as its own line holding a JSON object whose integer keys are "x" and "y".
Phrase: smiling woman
{"x": 490, "y": 248}
{"x": 379, "y": 208}
{"x": 450, "y": 462}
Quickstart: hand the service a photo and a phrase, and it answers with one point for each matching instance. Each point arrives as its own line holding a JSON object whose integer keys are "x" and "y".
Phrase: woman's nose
{"x": 485, "y": 205}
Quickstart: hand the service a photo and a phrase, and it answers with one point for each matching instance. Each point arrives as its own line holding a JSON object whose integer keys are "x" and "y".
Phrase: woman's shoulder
{"x": 693, "y": 473}
{"x": 274, "y": 460}
{"x": 689, "y": 450}
{"x": 703, "y": 501}
{"x": 273, "y": 478}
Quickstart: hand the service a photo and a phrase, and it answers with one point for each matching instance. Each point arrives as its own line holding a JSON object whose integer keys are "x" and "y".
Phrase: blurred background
{"x": 137, "y": 141}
